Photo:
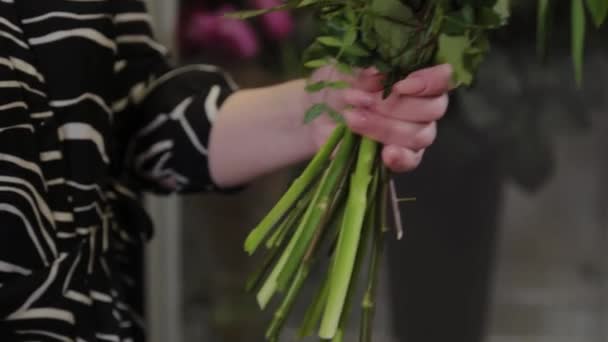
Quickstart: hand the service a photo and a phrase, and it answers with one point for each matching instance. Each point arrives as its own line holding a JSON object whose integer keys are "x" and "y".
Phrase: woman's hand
{"x": 261, "y": 130}
{"x": 405, "y": 122}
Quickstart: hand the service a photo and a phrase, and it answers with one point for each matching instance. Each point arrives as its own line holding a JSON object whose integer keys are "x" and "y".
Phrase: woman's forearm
{"x": 258, "y": 131}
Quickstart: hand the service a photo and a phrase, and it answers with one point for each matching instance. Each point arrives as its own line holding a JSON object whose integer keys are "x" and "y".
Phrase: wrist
{"x": 271, "y": 120}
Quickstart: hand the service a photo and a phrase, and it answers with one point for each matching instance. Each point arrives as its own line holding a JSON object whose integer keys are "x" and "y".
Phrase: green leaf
{"x": 350, "y": 14}
{"x": 503, "y": 9}
{"x": 392, "y": 36}
{"x": 578, "y": 38}
{"x": 317, "y": 86}
{"x": 352, "y": 49}
{"x": 488, "y": 18}
{"x": 317, "y": 63}
{"x": 452, "y": 50}
{"x": 335, "y": 115}
{"x": 305, "y": 3}
{"x": 382, "y": 66}
{"x": 287, "y": 5}
{"x": 330, "y": 41}
{"x": 598, "y": 10}
{"x": 255, "y": 13}
{"x": 345, "y": 68}
{"x": 356, "y": 50}
{"x": 308, "y": 3}
{"x": 350, "y": 36}
{"x": 468, "y": 14}
{"x": 314, "y": 112}
{"x": 541, "y": 29}
{"x": 338, "y": 85}
{"x": 391, "y": 9}
{"x": 495, "y": 16}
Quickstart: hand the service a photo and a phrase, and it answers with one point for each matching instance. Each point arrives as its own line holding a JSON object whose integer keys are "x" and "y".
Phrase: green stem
{"x": 396, "y": 212}
{"x": 276, "y": 241}
{"x": 370, "y": 223}
{"x": 314, "y": 311}
{"x": 279, "y": 234}
{"x": 280, "y": 316}
{"x": 314, "y": 168}
{"x": 335, "y": 224}
{"x": 293, "y": 253}
{"x": 254, "y": 280}
{"x": 320, "y": 207}
{"x": 289, "y": 222}
{"x": 369, "y": 299}
{"x": 335, "y": 211}
{"x": 350, "y": 233}
{"x": 352, "y": 289}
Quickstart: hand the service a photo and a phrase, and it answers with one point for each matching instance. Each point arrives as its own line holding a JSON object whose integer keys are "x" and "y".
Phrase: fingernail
{"x": 391, "y": 158}
{"x": 394, "y": 158}
{"x": 411, "y": 86}
{"x": 371, "y": 72}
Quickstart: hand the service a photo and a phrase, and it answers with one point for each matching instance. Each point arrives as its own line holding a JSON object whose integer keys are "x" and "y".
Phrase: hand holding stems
{"x": 404, "y": 122}
{"x": 261, "y": 130}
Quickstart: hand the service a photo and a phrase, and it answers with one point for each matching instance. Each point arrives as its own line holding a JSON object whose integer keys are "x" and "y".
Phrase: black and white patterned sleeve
{"x": 162, "y": 116}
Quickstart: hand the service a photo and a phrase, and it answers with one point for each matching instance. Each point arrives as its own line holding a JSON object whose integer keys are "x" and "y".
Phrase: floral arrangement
{"x": 333, "y": 217}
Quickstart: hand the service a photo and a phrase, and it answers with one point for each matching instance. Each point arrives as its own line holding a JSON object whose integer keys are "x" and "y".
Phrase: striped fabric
{"x": 90, "y": 116}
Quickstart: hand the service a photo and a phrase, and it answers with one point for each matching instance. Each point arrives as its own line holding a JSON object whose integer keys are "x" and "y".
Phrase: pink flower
{"x": 219, "y": 35}
{"x": 277, "y": 25}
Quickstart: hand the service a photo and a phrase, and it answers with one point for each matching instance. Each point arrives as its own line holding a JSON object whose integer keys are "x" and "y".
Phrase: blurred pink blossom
{"x": 212, "y": 31}
{"x": 277, "y": 25}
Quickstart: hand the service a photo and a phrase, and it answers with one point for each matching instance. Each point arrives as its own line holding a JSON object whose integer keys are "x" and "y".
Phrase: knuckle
{"x": 401, "y": 159}
{"x": 439, "y": 106}
{"x": 415, "y": 142}
{"x": 420, "y": 141}
{"x": 368, "y": 125}
{"x": 346, "y": 96}
{"x": 423, "y": 138}
{"x": 355, "y": 122}
{"x": 383, "y": 131}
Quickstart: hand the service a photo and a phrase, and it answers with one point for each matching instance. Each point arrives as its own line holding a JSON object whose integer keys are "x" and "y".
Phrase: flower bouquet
{"x": 333, "y": 216}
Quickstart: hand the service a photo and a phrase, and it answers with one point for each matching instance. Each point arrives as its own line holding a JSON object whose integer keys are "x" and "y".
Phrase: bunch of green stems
{"x": 333, "y": 216}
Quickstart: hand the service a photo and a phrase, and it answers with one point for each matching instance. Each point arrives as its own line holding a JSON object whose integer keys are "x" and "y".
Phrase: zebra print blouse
{"x": 90, "y": 115}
